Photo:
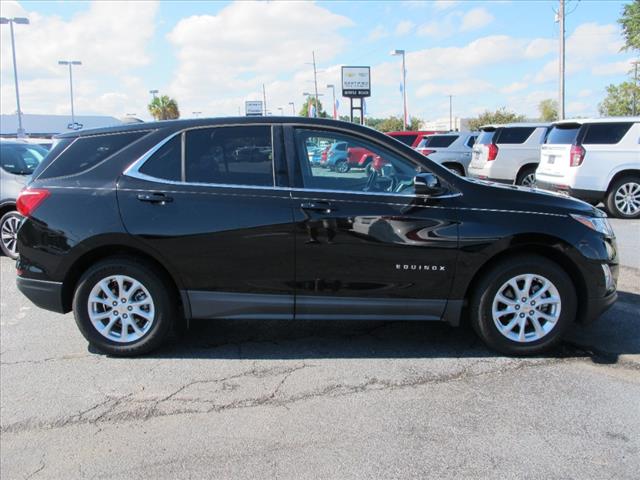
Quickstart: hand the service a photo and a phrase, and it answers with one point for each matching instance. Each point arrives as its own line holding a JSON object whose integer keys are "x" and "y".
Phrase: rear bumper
{"x": 591, "y": 196}
{"x": 42, "y": 293}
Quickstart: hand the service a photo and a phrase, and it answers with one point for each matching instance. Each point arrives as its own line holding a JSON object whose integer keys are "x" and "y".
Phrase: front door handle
{"x": 323, "y": 207}
{"x": 158, "y": 198}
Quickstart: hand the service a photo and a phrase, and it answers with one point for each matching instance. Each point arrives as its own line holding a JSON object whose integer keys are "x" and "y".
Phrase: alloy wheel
{"x": 526, "y": 308}
{"x": 529, "y": 180}
{"x": 627, "y": 198}
{"x": 121, "y": 308}
{"x": 9, "y": 232}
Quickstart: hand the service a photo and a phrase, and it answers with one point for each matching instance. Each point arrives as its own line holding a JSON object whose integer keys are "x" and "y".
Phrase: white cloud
{"x": 110, "y": 38}
{"x": 612, "y": 68}
{"x": 231, "y": 54}
{"x": 541, "y": 47}
{"x": 515, "y": 87}
{"x": 404, "y": 27}
{"x": 474, "y": 19}
{"x": 378, "y": 33}
{"x": 444, "y": 4}
{"x": 465, "y": 87}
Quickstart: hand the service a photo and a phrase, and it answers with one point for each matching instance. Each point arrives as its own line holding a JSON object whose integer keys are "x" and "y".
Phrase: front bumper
{"x": 43, "y": 293}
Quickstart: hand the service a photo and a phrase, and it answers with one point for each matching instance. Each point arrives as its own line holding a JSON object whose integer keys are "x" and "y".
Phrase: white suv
{"x": 453, "y": 150}
{"x": 595, "y": 160}
{"x": 508, "y": 153}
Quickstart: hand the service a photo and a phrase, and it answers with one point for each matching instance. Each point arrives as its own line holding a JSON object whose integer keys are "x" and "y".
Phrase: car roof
{"x": 516, "y": 124}
{"x": 582, "y": 121}
{"x": 451, "y": 134}
{"x": 411, "y": 132}
{"x": 205, "y": 122}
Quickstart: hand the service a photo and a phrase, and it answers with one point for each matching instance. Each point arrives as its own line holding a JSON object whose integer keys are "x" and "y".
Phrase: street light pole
{"x": 154, "y": 93}
{"x": 404, "y": 87}
{"x": 335, "y": 112}
{"x": 293, "y": 108}
{"x": 19, "y": 21}
{"x": 561, "y": 62}
{"x": 70, "y": 63}
{"x": 451, "y": 113}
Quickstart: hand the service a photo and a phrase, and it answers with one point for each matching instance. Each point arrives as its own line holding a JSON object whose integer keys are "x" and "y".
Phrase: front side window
{"x": 514, "y": 135}
{"x": 606, "y": 133}
{"x": 21, "y": 159}
{"x": 361, "y": 167}
{"x": 230, "y": 156}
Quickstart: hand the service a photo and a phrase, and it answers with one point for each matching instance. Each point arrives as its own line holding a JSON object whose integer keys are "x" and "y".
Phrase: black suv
{"x": 137, "y": 227}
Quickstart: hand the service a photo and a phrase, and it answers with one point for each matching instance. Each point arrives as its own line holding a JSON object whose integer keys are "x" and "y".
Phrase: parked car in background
{"x": 453, "y": 150}
{"x": 508, "y": 153}
{"x": 336, "y": 153}
{"x": 18, "y": 160}
{"x": 43, "y": 142}
{"x": 595, "y": 160}
{"x": 411, "y": 138}
{"x": 177, "y": 232}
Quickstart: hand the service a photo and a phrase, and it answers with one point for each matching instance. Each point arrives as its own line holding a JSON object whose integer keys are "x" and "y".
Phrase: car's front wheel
{"x": 523, "y": 305}
{"x": 623, "y": 199}
{"x": 124, "y": 307}
{"x": 342, "y": 166}
{"x": 9, "y": 225}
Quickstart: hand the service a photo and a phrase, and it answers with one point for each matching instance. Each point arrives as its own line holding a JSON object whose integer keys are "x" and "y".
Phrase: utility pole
{"x": 634, "y": 109}
{"x": 21, "y": 21}
{"x": 293, "y": 108}
{"x": 451, "y": 113}
{"x": 315, "y": 82}
{"x": 561, "y": 61}
{"x": 264, "y": 100}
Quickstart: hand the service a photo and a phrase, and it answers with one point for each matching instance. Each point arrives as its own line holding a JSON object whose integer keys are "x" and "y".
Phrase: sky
{"x": 213, "y": 56}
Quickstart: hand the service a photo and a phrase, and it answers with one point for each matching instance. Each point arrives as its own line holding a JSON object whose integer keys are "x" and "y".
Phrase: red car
{"x": 411, "y": 139}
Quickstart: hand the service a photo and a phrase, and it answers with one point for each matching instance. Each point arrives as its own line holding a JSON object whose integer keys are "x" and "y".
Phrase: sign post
{"x": 253, "y": 108}
{"x": 356, "y": 83}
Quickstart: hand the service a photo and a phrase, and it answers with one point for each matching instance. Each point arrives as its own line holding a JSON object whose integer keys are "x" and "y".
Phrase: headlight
{"x": 599, "y": 224}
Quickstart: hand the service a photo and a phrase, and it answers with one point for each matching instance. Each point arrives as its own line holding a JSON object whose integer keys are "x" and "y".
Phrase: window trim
{"x": 133, "y": 170}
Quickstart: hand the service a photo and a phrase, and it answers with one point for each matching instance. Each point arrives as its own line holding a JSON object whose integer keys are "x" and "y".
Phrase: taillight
{"x": 576, "y": 155}
{"x": 492, "y": 151}
{"x": 29, "y": 199}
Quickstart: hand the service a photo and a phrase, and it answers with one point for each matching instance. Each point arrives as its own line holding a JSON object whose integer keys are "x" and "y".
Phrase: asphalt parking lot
{"x": 321, "y": 400}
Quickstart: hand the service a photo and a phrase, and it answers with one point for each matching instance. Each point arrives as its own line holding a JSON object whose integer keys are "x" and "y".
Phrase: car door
{"x": 206, "y": 202}
{"x": 366, "y": 245}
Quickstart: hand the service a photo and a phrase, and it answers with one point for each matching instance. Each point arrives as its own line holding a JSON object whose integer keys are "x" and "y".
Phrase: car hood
{"x": 492, "y": 195}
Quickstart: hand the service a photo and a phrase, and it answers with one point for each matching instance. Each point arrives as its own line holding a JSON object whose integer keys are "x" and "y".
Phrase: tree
{"x": 548, "y": 109}
{"x": 164, "y": 108}
{"x": 619, "y": 100}
{"x": 630, "y": 22}
{"x": 502, "y": 115}
{"x": 304, "y": 111}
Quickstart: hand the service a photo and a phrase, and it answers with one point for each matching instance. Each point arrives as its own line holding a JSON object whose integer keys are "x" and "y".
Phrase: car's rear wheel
{"x": 523, "y": 305}
{"x": 457, "y": 169}
{"x": 342, "y": 166}
{"x": 124, "y": 307}
{"x": 623, "y": 199}
{"x": 527, "y": 177}
{"x": 9, "y": 225}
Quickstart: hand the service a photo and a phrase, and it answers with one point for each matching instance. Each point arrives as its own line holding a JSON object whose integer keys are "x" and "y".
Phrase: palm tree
{"x": 164, "y": 108}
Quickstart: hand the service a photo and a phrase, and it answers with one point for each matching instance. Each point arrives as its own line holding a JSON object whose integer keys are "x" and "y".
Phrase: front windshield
{"x": 21, "y": 159}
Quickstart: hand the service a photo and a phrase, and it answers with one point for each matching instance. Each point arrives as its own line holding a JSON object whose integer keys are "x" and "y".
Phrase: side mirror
{"x": 427, "y": 184}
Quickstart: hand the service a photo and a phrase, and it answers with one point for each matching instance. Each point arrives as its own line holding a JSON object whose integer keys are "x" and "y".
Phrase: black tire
{"x": 159, "y": 288}
{"x": 629, "y": 181}
{"x": 482, "y": 298}
{"x": 342, "y": 166}
{"x": 525, "y": 174}
{"x": 457, "y": 169}
{"x": 8, "y": 229}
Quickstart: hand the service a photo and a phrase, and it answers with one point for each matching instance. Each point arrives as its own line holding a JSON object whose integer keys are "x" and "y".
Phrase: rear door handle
{"x": 159, "y": 198}
{"x": 323, "y": 207}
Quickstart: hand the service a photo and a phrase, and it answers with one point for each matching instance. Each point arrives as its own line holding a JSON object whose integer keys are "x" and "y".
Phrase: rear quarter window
{"x": 514, "y": 135}
{"x": 486, "y": 137}
{"x": 606, "y": 133}
{"x": 440, "y": 141}
{"x": 87, "y": 152}
{"x": 406, "y": 139}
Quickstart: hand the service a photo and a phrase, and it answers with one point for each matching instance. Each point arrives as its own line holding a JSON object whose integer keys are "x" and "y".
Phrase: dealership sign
{"x": 253, "y": 108}
{"x": 356, "y": 82}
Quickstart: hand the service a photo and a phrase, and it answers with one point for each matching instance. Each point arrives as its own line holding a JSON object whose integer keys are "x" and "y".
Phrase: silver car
{"x": 18, "y": 160}
{"x": 453, "y": 150}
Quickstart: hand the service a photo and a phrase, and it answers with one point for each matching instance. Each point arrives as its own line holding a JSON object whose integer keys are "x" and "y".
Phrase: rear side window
{"x": 564, "y": 134}
{"x": 471, "y": 141}
{"x": 406, "y": 139}
{"x": 514, "y": 135}
{"x": 486, "y": 137}
{"x": 166, "y": 162}
{"x": 87, "y": 152}
{"x": 606, "y": 133}
{"x": 230, "y": 156}
{"x": 439, "y": 141}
